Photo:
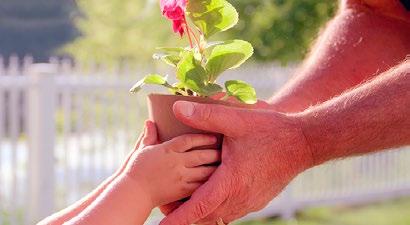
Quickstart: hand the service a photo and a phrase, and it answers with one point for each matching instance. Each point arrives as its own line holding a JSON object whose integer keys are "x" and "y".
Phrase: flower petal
{"x": 174, "y": 10}
{"x": 178, "y": 27}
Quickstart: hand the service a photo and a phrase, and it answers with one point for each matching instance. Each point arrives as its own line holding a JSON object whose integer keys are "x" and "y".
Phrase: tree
{"x": 36, "y": 27}
{"x": 281, "y": 30}
{"x": 118, "y": 30}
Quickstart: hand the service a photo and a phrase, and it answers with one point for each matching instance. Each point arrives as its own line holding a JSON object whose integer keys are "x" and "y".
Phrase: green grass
{"x": 387, "y": 213}
{"x": 6, "y": 217}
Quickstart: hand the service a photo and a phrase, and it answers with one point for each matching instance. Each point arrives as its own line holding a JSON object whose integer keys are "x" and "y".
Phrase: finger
{"x": 150, "y": 134}
{"x": 203, "y": 202}
{"x": 169, "y": 208}
{"x": 215, "y": 118}
{"x": 186, "y": 142}
{"x": 189, "y": 188}
{"x": 139, "y": 140}
{"x": 200, "y": 174}
{"x": 127, "y": 158}
{"x": 196, "y": 158}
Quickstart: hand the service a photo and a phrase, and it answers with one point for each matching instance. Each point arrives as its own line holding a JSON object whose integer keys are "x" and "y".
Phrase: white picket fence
{"x": 64, "y": 129}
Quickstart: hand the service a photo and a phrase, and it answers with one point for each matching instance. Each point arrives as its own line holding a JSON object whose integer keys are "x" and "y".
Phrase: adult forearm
{"x": 372, "y": 117}
{"x": 357, "y": 45}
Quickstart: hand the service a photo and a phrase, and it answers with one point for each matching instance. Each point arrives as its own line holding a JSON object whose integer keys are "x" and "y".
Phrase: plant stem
{"x": 195, "y": 37}
{"x": 189, "y": 35}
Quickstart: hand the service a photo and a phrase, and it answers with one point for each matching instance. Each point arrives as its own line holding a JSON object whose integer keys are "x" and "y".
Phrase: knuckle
{"x": 172, "y": 165}
{"x": 187, "y": 188}
{"x": 206, "y": 113}
{"x": 201, "y": 209}
{"x": 180, "y": 175}
{"x": 204, "y": 173}
{"x": 168, "y": 151}
{"x": 187, "y": 140}
{"x": 210, "y": 219}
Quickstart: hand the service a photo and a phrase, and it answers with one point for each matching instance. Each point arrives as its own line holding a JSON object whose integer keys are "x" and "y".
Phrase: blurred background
{"x": 66, "y": 124}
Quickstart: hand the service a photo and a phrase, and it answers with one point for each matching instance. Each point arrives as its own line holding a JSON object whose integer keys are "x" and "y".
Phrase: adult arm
{"x": 365, "y": 39}
{"x": 372, "y": 117}
{"x": 257, "y": 165}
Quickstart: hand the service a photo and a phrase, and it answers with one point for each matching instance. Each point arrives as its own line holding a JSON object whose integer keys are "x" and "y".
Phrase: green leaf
{"x": 213, "y": 44}
{"x": 191, "y": 73}
{"x": 212, "y": 16}
{"x": 211, "y": 89}
{"x": 169, "y": 59}
{"x": 241, "y": 90}
{"x": 150, "y": 79}
{"x": 229, "y": 55}
{"x": 210, "y": 46}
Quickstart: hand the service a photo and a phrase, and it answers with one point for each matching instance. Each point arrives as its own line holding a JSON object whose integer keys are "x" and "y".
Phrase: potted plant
{"x": 198, "y": 66}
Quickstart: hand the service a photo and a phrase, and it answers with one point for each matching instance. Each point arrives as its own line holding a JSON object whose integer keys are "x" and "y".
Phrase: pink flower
{"x": 174, "y": 10}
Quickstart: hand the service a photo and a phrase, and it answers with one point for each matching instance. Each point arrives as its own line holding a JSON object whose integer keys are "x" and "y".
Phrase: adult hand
{"x": 168, "y": 208}
{"x": 261, "y": 153}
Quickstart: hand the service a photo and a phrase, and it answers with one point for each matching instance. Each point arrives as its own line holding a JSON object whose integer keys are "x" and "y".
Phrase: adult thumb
{"x": 209, "y": 117}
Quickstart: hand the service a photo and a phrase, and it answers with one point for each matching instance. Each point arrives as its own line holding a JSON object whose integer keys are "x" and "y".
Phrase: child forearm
{"x": 109, "y": 207}
{"x": 76, "y": 208}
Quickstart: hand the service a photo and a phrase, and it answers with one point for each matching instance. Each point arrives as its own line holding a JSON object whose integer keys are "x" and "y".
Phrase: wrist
{"x": 295, "y": 149}
{"x": 315, "y": 135}
{"x": 305, "y": 153}
{"x": 137, "y": 190}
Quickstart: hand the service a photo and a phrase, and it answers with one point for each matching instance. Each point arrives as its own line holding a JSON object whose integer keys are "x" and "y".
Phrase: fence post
{"x": 41, "y": 137}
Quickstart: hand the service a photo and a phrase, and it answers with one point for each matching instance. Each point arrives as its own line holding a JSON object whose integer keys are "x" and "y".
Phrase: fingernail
{"x": 185, "y": 108}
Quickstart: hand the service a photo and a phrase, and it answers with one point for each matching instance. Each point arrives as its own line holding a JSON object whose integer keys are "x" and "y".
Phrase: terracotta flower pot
{"x": 168, "y": 126}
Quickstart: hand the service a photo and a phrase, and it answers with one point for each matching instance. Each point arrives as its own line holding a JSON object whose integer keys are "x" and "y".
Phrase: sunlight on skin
{"x": 389, "y": 8}
{"x": 130, "y": 197}
{"x": 347, "y": 54}
{"x": 350, "y": 60}
{"x": 256, "y": 166}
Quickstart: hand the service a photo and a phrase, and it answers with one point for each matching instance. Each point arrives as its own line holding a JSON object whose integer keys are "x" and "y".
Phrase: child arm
{"x": 123, "y": 202}
{"x": 156, "y": 175}
{"x": 148, "y": 137}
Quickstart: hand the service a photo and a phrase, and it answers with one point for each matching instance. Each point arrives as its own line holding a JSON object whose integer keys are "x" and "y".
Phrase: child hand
{"x": 171, "y": 171}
